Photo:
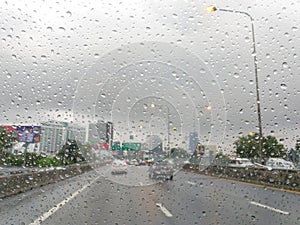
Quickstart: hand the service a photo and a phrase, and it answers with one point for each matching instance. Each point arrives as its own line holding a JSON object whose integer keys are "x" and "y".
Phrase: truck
{"x": 147, "y": 157}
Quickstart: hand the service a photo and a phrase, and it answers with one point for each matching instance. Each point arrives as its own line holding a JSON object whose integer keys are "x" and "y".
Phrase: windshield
{"x": 97, "y": 94}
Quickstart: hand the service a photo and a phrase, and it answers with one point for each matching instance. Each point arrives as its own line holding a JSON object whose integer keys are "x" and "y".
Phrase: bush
{"x": 49, "y": 162}
{"x": 25, "y": 159}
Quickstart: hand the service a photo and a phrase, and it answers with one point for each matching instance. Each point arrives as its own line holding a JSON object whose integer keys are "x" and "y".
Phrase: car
{"x": 142, "y": 162}
{"x": 161, "y": 170}
{"x": 278, "y": 163}
{"x": 241, "y": 162}
{"x": 119, "y": 167}
{"x": 133, "y": 162}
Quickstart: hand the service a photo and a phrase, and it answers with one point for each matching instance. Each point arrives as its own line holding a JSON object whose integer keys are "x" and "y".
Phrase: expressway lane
{"x": 134, "y": 199}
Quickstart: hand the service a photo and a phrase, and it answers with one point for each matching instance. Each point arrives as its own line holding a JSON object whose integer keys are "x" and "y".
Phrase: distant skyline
{"x": 105, "y": 60}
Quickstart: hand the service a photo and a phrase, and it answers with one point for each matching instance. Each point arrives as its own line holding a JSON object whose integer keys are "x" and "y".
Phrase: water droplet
{"x": 8, "y": 75}
{"x": 294, "y": 28}
{"x": 96, "y": 55}
{"x": 284, "y": 65}
{"x": 69, "y": 13}
{"x": 283, "y": 86}
{"x": 61, "y": 29}
{"x": 37, "y": 102}
{"x": 236, "y": 75}
{"x": 49, "y": 29}
{"x": 103, "y": 95}
{"x": 271, "y": 29}
{"x": 202, "y": 70}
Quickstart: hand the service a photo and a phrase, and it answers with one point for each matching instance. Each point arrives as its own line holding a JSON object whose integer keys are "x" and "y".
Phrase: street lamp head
{"x": 211, "y": 9}
{"x": 152, "y": 105}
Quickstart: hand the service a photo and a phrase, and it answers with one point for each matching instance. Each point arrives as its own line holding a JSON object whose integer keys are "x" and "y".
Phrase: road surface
{"x": 97, "y": 197}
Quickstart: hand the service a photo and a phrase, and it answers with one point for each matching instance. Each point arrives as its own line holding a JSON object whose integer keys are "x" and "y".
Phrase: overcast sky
{"x": 83, "y": 60}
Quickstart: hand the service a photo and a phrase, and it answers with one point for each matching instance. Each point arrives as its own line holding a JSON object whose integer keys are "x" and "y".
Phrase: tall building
{"x": 54, "y": 135}
{"x": 100, "y": 132}
{"x": 193, "y": 141}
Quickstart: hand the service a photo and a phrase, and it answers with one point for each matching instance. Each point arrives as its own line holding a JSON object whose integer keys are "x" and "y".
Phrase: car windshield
{"x": 149, "y": 112}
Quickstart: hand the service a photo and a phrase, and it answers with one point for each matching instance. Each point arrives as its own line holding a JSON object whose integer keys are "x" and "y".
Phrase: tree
{"x": 7, "y": 139}
{"x": 70, "y": 153}
{"x": 179, "y": 153}
{"x": 221, "y": 160}
{"x": 248, "y": 147}
{"x": 272, "y": 148}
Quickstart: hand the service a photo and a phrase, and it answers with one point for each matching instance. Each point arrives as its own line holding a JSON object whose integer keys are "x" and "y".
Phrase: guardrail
{"x": 17, "y": 183}
{"x": 287, "y": 179}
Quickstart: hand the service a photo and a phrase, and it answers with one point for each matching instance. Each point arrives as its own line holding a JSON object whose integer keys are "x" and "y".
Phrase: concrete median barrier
{"x": 287, "y": 179}
{"x": 17, "y": 183}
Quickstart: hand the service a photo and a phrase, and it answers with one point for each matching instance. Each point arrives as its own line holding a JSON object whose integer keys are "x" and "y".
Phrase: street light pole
{"x": 212, "y": 9}
{"x": 168, "y": 121}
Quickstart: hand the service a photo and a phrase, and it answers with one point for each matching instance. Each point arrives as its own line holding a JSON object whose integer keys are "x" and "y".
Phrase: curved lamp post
{"x": 213, "y": 9}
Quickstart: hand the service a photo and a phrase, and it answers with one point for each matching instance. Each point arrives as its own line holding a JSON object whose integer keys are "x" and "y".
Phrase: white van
{"x": 240, "y": 162}
{"x": 277, "y": 163}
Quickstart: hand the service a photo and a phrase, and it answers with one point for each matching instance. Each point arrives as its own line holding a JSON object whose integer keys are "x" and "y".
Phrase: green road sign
{"x": 131, "y": 146}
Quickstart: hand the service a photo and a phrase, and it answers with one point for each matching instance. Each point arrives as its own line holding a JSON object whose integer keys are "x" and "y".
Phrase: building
{"x": 54, "y": 135}
{"x": 100, "y": 132}
{"x": 193, "y": 141}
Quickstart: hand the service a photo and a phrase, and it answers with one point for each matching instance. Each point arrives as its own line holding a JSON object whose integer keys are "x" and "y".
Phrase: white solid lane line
{"x": 191, "y": 183}
{"x": 43, "y": 217}
{"x": 269, "y": 207}
{"x": 164, "y": 210}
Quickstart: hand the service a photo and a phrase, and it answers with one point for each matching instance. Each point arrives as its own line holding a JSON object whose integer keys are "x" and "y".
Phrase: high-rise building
{"x": 193, "y": 141}
{"x": 54, "y": 135}
{"x": 100, "y": 132}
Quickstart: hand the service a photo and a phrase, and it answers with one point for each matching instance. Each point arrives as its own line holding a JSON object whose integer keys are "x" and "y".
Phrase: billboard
{"x": 29, "y": 134}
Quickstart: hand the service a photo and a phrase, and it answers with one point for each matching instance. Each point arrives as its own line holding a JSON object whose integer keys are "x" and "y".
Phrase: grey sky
{"x": 79, "y": 57}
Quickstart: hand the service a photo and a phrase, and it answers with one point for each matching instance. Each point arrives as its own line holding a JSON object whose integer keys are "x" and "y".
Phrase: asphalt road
{"x": 97, "y": 197}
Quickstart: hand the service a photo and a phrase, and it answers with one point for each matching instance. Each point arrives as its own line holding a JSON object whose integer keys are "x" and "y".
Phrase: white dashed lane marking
{"x": 164, "y": 210}
{"x": 270, "y": 208}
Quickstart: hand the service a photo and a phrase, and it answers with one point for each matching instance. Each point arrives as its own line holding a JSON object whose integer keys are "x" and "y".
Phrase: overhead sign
{"x": 131, "y": 146}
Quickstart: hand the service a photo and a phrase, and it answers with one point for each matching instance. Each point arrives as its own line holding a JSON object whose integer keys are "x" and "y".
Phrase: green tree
{"x": 70, "y": 153}
{"x": 248, "y": 147}
{"x": 7, "y": 139}
{"x": 179, "y": 153}
{"x": 272, "y": 148}
{"x": 221, "y": 160}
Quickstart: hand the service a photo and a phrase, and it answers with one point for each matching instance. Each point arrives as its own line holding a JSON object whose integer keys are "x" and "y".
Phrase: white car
{"x": 277, "y": 163}
{"x": 133, "y": 162}
{"x": 241, "y": 162}
{"x": 119, "y": 167}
